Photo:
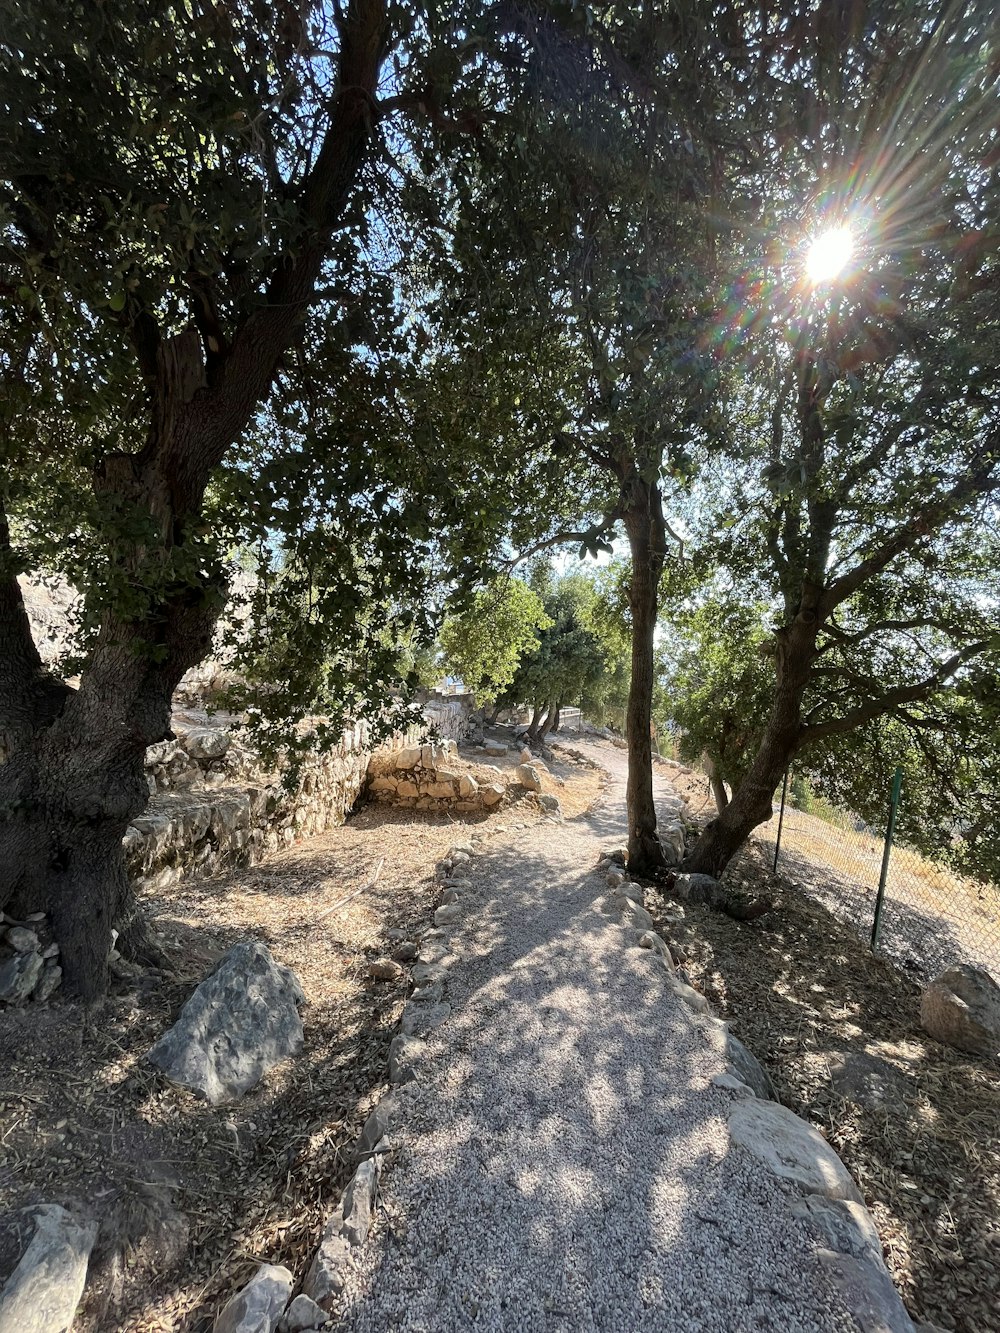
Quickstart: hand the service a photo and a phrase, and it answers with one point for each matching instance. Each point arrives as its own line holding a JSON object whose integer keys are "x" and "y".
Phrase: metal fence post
{"x": 897, "y": 786}
{"x": 781, "y": 821}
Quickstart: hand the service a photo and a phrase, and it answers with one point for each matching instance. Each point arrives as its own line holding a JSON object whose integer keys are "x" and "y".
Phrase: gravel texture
{"x": 564, "y": 1161}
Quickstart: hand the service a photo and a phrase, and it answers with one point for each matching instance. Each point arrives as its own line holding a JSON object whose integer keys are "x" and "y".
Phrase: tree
{"x": 487, "y": 641}
{"x": 872, "y": 414}
{"x": 203, "y": 344}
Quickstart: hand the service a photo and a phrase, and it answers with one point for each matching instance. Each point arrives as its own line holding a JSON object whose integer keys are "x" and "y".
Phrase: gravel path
{"x": 565, "y": 1162}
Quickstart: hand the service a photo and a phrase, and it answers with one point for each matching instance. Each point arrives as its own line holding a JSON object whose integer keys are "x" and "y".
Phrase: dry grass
{"x": 838, "y": 1029}
{"x": 191, "y": 1198}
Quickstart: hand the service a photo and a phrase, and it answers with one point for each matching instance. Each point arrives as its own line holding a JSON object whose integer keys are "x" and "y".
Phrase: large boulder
{"x": 241, "y": 1021}
{"x": 529, "y": 777}
{"x": 698, "y": 889}
{"x": 43, "y": 1291}
{"x": 961, "y": 1007}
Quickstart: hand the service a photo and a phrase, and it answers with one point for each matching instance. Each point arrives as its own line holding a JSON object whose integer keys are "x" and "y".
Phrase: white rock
{"x": 961, "y": 1007}
{"x": 241, "y": 1021}
{"x": 259, "y": 1306}
{"x": 420, "y": 1019}
{"x": 18, "y": 977}
{"x": 205, "y": 743}
{"x": 791, "y": 1149}
{"x": 529, "y": 777}
{"x": 448, "y": 914}
{"x": 42, "y": 1293}
{"x": 22, "y": 939}
{"x": 406, "y": 1055}
{"x": 408, "y": 758}
{"x": 467, "y": 785}
{"x": 492, "y": 793}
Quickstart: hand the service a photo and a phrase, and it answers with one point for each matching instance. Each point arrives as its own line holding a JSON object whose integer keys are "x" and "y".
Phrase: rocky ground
{"x": 838, "y": 1029}
{"x": 191, "y": 1198}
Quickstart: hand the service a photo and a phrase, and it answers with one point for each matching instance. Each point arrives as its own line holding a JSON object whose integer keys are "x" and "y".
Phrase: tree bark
{"x": 644, "y": 526}
{"x": 547, "y": 721}
{"x": 718, "y": 786}
{"x": 752, "y": 802}
{"x": 536, "y": 717}
{"x": 557, "y": 717}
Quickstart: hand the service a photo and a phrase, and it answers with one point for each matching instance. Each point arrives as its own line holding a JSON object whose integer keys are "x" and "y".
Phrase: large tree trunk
{"x": 718, "y": 786}
{"x": 752, "y": 802}
{"x": 557, "y": 716}
{"x": 536, "y": 717}
{"x": 546, "y": 725}
{"x": 644, "y": 525}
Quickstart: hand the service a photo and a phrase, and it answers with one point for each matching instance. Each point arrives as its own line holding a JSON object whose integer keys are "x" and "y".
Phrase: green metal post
{"x": 781, "y": 821}
{"x": 897, "y": 786}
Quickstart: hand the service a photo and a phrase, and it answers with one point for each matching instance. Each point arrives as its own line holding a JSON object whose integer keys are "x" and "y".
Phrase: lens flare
{"x": 829, "y": 254}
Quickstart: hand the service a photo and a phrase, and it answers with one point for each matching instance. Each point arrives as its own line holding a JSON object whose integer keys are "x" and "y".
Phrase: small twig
{"x": 357, "y": 892}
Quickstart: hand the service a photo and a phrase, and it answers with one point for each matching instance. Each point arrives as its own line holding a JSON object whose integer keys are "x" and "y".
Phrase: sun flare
{"x": 829, "y": 254}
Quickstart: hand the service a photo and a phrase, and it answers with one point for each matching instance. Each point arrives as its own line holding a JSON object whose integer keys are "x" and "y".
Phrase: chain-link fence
{"x": 922, "y": 915}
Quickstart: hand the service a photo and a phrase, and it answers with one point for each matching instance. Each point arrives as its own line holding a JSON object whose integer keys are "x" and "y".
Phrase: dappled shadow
{"x": 839, "y": 1031}
{"x": 567, "y": 1164}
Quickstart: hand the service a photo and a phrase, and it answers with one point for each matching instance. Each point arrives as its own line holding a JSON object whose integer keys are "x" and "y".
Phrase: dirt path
{"x": 565, "y": 1162}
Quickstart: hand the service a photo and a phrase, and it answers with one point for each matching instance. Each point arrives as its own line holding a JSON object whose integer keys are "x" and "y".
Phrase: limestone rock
{"x": 384, "y": 969}
{"x": 48, "y": 984}
{"x": 302, "y": 1314}
{"x": 325, "y": 1278}
{"x": 205, "y": 742}
{"x": 408, "y": 758}
{"x": 550, "y": 804}
{"x": 43, "y": 1291}
{"x": 384, "y": 783}
{"x": 448, "y": 914}
{"x": 405, "y": 951}
{"x": 241, "y": 1021}
{"x": 961, "y": 1007}
{"x": 749, "y": 1069}
{"x": 406, "y": 1054}
{"x": 18, "y": 977}
{"x": 529, "y": 777}
{"x": 405, "y": 788}
{"x": 22, "y": 939}
{"x": 495, "y": 748}
{"x": 791, "y": 1149}
{"x": 420, "y": 1019}
{"x": 467, "y": 785}
{"x": 525, "y": 757}
{"x": 356, "y": 1206}
{"x": 441, "y": 791}
{"x": 698, "y": 889}
{"x": 672, "y": 842}
{"x": 852, "y": 1256}
{"x": 381, "y": 1121}
{"x": 259, "y": 1306}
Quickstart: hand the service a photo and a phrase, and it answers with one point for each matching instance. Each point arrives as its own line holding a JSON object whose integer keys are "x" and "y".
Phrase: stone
{"x": 408, "y": 758}
{"x": 18, "y": 977}
{"x": 381, "y": 1121}
{"x": 420, "y": 1019}
{"x": 698, "y": 889}
{"x": 384, "y": 969}
{"x": 791, "y": 1149}
{"x": 961, "y": 1008}
{"x": 241, "y": 1021}
{"x": 405, "y": 951}
{"x": 205, "y": 743}
{"x": 448, "y": 914}
{"x": 853, "y": 1259}
{"x": 749, "y": 1069}
{"x": 692, "y": 998}
{"x": 356, "y": 1206}
{"x": 529, "y": 777}
{"x": 441, "y": 791}
{"x": 406, "y": 1054}
{"x": 615, "y": 877}
{"x": 302, "y": 1314}
{"x": 635, "y": 915}
{"x": 43, "y": 1291}
{"x": 50, "y": 951}
{"x": 22, "y": 939}
{"x": 260, "y": 1304}
{"x": 48, "y": 983}
{"x": 446, "y": 775}
{"x": 550, "y": 804}
{"x": 406, "y": 788}
{"x": 384, "y": 783}
{"x": 648, "y": 939}
{"x": 467, "y": 786}
{"x": 325, "y": 1278}
{"x": 630, "y": 890}
{"x": 732, "y": 1084}
{"x": 672, "y": 842}
{"x": 495, "y": 748}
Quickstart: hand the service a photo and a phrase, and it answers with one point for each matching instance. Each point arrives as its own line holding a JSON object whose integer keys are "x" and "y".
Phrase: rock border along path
{"x": 573, "y": 1144}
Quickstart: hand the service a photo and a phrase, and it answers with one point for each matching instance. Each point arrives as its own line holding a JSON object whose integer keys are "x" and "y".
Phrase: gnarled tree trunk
{"x": 752, "y": 802}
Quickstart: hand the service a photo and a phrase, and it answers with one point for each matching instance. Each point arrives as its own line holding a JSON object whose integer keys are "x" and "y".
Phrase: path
{"x": 565, "y": 1162}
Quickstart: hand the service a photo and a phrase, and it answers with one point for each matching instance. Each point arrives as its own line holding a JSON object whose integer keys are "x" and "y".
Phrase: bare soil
{"x": 190, "y": 1198}
{"x": 917, "y": 1123}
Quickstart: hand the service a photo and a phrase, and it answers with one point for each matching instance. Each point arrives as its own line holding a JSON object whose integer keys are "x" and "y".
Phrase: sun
{"x": 829, "y": 254}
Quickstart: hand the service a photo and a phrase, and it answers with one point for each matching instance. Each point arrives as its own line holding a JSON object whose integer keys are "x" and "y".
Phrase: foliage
{"x": 486, "y": 643}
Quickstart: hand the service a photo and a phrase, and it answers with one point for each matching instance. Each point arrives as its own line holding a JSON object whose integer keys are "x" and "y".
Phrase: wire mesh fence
{"x": 922, "y": 915}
